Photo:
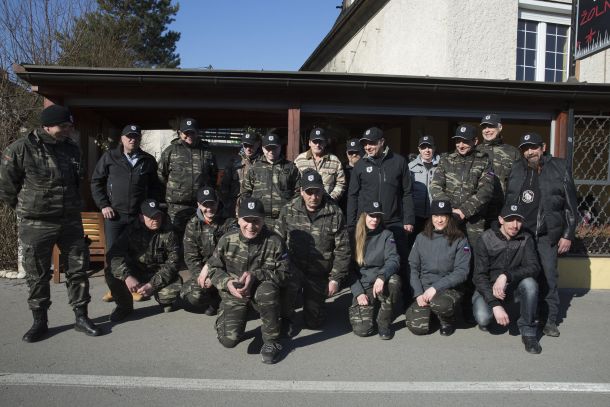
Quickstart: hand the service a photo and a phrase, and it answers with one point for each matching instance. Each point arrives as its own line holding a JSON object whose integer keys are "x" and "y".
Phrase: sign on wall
{"x": 592, "y": 27}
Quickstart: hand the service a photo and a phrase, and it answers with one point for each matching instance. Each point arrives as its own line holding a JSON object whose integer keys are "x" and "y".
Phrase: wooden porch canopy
{"x": 299, "y": 100}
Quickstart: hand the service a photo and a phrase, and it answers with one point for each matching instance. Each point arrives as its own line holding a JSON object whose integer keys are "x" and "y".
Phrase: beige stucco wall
{"x": 442, "y": 38}
{"x": 446, "y": 38}
{"x": 596, "y": 68}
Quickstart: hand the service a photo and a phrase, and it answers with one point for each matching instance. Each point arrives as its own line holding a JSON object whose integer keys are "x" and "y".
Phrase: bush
{"x": 8, "y": 238}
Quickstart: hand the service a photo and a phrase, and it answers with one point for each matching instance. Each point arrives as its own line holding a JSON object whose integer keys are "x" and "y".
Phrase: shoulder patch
{"x": 466, "y": 249}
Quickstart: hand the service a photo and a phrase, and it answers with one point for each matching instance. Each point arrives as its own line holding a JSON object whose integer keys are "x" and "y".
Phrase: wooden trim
{"x": 294, "y": 129}
{"x": 561, "y": 135}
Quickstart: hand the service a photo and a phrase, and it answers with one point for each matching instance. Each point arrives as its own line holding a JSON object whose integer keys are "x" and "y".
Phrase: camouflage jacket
{"x": 183, "y": 168}
{"x": 319, "y": 246}
{"x": 233, "y": 178}
{"x": 466, "y": 181}
{"x": 142, "y": 251}
{"x": 40, "y": 176}
{"x": 274, "y": 184}
{"x": 200, "y": 239}
{"x": 264, "y": 256}
{"x": 331, "y": 170}
{"x": 502, "y": 156}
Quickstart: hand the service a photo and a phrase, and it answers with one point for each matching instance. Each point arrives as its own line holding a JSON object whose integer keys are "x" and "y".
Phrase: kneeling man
{"x": 506, "y": 265}
{"x": 145, "y": 261}
{"x": 248, "y": 267}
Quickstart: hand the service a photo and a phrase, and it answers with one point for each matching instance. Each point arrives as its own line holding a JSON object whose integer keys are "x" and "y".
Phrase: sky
{"x": 270, "y": 35}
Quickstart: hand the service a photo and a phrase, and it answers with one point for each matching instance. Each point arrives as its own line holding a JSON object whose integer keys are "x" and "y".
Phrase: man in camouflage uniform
{"x": 326, "y": 164}
{"x": 502, "y": 156}
{"x": 314, "y": 229}
{"x": 39, "y": 178}
{"x": 465, "y": 178}
{"x": 200, "y": 238}
{"x": 144, "y": 260}
{"x": 248, "y": 267}
{"x": 272, "y": 179}
{"x": 236, "y": 170}
{"x": 185, "y": 166}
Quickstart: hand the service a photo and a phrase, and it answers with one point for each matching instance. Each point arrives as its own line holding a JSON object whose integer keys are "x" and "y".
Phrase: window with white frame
{"x": 543, "y": 41}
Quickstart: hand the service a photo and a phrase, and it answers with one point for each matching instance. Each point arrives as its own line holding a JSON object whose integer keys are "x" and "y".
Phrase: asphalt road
{"x": 158, "y": 359}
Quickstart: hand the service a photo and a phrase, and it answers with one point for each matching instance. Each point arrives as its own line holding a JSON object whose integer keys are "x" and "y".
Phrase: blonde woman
{"x": 439, "y": 262}
{"x": 377, "y": 285}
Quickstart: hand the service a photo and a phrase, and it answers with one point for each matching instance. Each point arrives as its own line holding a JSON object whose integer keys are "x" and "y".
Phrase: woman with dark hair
{"x": 439, "y": 262}
{"x": 377, "y": 285}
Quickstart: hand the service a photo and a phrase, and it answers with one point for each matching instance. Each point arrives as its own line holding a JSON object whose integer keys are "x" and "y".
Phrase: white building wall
{"x": 444, "y": 38}
{"x": 596, "y": 68}
{"x": 448, "y": 38}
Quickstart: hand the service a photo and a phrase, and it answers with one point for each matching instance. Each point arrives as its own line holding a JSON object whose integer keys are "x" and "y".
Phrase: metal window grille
{"x": 591, "y": 171}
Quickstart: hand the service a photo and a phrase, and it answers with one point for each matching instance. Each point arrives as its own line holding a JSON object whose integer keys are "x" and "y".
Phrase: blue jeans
{"x": 525, "y": 293}
{"x": 547, "y": 253}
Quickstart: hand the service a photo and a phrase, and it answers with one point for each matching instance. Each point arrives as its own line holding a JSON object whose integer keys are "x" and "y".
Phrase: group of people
{"x": 471, "y": 229}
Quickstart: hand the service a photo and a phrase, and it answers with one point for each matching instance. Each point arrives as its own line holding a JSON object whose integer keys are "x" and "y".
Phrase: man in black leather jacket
{"x": 543, "y": 186}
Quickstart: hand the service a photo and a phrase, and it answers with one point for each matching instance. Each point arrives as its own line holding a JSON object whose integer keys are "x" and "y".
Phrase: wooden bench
{"x": 93, "y": 224}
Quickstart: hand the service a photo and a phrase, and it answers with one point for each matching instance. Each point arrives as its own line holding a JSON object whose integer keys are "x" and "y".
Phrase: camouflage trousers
{"x": 37, "y": 239}
{"x": 197, "y": 296}
{"x": 365, "y": 318}
{"x": 233, "y": 314}
{"x": 442, "y": 305}
{"x": 315, "y": 293}
{"x": 122, "y": 297}
{"x": 180, "y": 215}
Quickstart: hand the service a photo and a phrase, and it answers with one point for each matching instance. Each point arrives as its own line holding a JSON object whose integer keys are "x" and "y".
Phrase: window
{"x": 543, "y": 40}
{"x": 542, "y": 51}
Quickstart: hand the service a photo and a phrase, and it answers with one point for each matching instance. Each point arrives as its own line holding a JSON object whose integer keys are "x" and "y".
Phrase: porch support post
{"x": 294, "y": 133}
{"x": 561, "y": 135}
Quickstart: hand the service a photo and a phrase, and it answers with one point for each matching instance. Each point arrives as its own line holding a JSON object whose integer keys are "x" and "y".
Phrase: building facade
{"x": 483, "y": 39}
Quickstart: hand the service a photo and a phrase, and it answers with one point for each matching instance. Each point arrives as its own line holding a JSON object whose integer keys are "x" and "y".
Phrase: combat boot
{"x": 270, "y": 352}
{"x": 39, "y": 327}
{"x": 84, "y": 324}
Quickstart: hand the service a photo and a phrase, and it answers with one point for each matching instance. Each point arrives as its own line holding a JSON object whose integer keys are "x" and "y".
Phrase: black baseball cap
{"x": 189, "y": 124}
{"x": 441, "y": 207}
{"x": 206, "y": 194}
{"x": 373, "y": 207}
{"x": 425, "y": 140}
{"x": 310, "y": 178}
{"x": 353, "y": 145}
{"x": 512, "y": 210}
{"x": 317, "y": 134}
{"x": 132, "y": 129}
{"x": 251, "y": 208}
{"x": 465, "y": 131}
{"x": 491, "y": 118}
{"x": 150, "y": 208}
{"x": 372, "y": 134}
{"x": 530, "y": 138}
{"x": 271, "y": 139}
{"x": 249, "y": 138}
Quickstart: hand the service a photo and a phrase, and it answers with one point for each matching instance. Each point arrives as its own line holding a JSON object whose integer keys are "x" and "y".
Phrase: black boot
{"x": 39, "y": 327}
{"x": 84, "y": 324}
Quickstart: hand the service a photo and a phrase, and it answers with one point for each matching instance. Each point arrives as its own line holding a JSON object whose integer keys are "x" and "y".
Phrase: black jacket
{"x": 117, "y": 184}
{"x": 496, "y": 255}
{"x": 557, "y": 213}
{"x": 386, "y": 180}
